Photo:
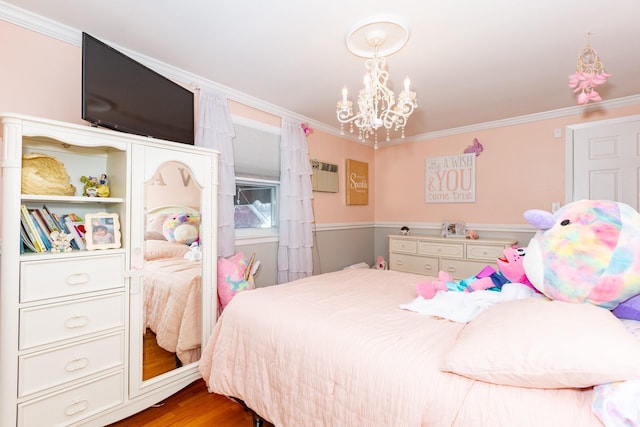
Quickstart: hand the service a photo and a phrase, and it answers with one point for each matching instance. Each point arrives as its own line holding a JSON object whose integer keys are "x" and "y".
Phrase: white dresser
{"x": 71, "y": 323}
{"x": 429, "y": 255}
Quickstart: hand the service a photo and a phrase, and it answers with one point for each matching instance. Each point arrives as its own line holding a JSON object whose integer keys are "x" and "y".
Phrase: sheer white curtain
{"x": 296, "y": 214}
{"x": 215, "y": 130}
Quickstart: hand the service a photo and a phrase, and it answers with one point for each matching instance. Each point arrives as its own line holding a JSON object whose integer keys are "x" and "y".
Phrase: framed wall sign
{"x": 357, "y": 180}
{"x": 451, "y": 179}
{"x": 102, "y": 231}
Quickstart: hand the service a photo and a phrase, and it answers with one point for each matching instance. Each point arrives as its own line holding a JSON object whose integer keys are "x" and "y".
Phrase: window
{"x": 255, "y": 204}
{"x": 256, "y": 149}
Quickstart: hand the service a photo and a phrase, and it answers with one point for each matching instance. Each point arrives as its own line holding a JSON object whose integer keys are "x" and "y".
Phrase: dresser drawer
{"x": 73, "y": 404}
{"x": 414, "y": 264}
{"x": 56, "y": 322}
{"x": 55, "y": 277}
{"x": 39, "y": 371}
{"x": 461, "y": 269}
{"x": 451, "y": 250}
{"x": 485, "y": 252}
{"x": 405, "y": 246}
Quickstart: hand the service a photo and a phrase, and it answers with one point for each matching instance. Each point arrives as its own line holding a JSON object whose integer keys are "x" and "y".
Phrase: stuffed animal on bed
{"x": 511, "y": 270}
{"x": 586, "y": 252}
{"x": 181, "y": 228}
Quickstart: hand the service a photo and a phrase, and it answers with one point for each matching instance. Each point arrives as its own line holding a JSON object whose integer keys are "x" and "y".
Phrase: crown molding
{"x": 529, "y": 118}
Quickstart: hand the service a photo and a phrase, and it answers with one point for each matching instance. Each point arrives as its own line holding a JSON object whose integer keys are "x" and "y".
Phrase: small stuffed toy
{"x": 60, "y": 242}
{"x": 586, "y": 252}
{"x": 181, "y": 228}
{"x": 511, "y": 270}
{"x": 90, "y": 186}
{"x": 380, "y": 264}
{"x": 194, "y": 253}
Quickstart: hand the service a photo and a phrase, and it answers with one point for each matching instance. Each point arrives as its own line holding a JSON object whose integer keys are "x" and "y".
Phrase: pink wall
{"x": 332, "y": 207}
{"x": 522, "y": 167}
{"x": 40, "y": 76}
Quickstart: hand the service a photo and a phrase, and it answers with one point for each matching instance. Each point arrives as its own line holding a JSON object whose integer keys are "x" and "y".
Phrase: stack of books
{"x": 36, "y": 226}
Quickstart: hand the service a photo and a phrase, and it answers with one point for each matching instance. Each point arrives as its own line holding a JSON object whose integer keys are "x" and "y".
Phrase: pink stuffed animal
{"x": 511, "y": 270}
{"x": 511, "y": 265}
{"x": 381, "y": 264}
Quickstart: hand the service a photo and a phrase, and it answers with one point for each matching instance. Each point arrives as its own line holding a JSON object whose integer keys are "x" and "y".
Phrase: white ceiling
{"x": 470, "y": 61}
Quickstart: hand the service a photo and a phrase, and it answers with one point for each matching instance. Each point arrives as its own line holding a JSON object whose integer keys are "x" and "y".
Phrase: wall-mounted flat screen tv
{"x": 122, "y": 94}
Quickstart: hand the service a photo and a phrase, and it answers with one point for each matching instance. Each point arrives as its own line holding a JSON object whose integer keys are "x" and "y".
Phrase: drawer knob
{"x": 78, "y": 279}
{"x": 451, "y": 269}
{"x": 76, "y": 322}
{"x": 76, "y": 407}
{"x": 427, "y": 267}
{"x": 77, "y": 364}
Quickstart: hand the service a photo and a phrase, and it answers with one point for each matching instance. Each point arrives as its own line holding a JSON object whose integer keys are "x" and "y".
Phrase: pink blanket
{"x": 172, "y": 305}
{"x": 336, "y": 350}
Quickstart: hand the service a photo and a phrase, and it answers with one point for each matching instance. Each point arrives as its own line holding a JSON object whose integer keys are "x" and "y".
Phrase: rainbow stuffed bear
{"x": 588, "y": 251}
{"x": 181, "y": 228}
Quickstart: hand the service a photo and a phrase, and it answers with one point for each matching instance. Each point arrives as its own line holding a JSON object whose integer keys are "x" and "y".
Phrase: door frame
{"x": 568, "y": 147}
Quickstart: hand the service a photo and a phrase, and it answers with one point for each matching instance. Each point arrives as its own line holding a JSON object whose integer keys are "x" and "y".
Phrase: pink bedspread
{"x": 336, "y": 350}
{"x": 172, "y": 305}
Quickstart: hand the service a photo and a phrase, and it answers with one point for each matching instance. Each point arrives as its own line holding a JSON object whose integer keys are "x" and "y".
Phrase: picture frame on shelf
{"x": 453, "y": 229}
{"x": 102, "y": 231}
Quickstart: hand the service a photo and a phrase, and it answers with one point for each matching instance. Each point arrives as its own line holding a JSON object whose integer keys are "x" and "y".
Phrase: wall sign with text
{"x": 357, "y": 182}
{"x": 451, "y": 179}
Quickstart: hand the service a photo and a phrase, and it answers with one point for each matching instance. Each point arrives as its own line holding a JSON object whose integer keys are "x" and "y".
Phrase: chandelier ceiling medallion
{"x": 374, "y": 39}
{"x": 589, "y": 74}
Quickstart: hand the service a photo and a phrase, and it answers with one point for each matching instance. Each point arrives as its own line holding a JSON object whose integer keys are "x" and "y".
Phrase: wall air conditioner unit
{"x": 324, "y": 177}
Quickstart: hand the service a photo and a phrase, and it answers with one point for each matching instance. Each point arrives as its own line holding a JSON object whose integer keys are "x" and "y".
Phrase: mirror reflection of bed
{"x": 171, "y": 276}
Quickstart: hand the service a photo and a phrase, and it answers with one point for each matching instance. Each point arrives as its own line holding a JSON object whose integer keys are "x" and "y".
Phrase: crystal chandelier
{"x": 589, "y": 74}
{"x": 376, "y": 102}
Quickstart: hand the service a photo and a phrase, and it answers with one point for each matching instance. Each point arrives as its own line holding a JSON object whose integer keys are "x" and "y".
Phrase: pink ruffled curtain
{"x": 215, "y": 130}
{"x": 296, "y": 214}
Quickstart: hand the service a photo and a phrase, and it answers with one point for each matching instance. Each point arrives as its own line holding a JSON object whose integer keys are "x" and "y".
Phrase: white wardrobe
{"x": 72, "y": 324}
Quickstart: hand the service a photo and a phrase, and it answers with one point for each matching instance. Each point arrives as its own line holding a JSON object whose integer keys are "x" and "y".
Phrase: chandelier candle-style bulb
{"x": 377, "y": 106}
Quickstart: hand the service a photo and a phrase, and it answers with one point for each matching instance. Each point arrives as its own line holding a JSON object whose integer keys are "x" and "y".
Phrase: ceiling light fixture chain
{"x": 376, "y": 102}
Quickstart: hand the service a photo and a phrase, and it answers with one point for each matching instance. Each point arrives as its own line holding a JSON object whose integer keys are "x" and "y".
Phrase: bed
{"x": 337, "y": 349}
{"x": 172, "y": 289}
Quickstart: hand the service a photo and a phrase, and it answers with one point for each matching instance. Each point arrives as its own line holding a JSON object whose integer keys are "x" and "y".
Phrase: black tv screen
{"x": 122, "y": 94}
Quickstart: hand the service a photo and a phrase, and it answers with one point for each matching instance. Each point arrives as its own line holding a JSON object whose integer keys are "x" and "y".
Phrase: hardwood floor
{"x": 155, "y": 360}
{"x": 193, "y": 406}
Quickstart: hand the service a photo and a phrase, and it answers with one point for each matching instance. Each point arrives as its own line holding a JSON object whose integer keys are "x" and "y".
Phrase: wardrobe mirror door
{"x": 171, "y": 284}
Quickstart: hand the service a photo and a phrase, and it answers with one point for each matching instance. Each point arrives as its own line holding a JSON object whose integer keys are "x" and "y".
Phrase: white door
{"x": 605, "y": 161}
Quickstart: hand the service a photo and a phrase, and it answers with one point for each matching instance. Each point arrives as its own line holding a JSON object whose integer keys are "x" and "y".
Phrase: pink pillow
{"x": 231, "y": 278}
{"x": 154, "y": 227}
{"x": 538, "y": 343}
{"x": 161, "y": 249}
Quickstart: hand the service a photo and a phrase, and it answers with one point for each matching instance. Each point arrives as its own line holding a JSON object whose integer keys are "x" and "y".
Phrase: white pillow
{"x": 539, "y": 343}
